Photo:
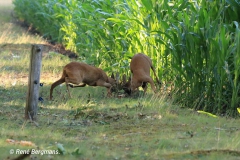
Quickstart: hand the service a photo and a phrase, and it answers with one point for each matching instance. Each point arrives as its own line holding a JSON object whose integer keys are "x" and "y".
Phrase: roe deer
{"x": 82, "y": 74}
{"x": 140, "y": 68}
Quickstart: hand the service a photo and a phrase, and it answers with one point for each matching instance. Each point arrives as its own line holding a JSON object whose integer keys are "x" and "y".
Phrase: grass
{"x": 91, "y": 126}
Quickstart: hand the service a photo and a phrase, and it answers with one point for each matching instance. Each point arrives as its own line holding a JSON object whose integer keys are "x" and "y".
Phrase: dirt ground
{"x": 58, "y": 48}
{"x": 5, "y": 2}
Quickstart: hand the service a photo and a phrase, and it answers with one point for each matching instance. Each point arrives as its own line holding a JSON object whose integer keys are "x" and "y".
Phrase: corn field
{"x": 194, "y": 44}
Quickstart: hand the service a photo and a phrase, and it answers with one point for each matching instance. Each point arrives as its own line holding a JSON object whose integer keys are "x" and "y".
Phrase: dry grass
{"x": 16, "y": 35}
{"x": 12, "y": 33}
{"x": 5, "y": 2}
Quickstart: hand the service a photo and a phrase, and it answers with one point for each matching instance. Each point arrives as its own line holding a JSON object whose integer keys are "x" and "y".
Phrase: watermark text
{"x": 33, "y": 151}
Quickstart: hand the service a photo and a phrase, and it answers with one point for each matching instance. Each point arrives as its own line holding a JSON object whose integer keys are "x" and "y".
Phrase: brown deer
{"x": 140, "y": 68}
{"x": 81, "y": 74}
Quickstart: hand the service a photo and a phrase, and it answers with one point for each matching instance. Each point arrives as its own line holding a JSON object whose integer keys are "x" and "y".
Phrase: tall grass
{"x": 10, "y": 33}
{"x": 203, "y": 54}
{"x": 194, "y": 45}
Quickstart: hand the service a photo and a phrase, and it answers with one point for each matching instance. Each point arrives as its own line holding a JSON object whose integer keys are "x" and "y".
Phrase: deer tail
{"x": 150, "y": 63}
{"x": 155, "y": 75}
{"x": 58, "y": 82}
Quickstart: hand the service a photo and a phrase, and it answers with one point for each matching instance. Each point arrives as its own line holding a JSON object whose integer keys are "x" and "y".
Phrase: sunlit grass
{"x": 14, "y": 34}
{"x": 105, "y": 128}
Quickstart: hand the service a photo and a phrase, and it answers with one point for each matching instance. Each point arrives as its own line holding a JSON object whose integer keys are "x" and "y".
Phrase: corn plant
{"x": 194, "y": 44}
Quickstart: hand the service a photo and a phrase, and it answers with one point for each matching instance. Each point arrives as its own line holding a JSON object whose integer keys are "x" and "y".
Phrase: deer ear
{"x": 112, "y": 76}
{"x": 124, "y": 79}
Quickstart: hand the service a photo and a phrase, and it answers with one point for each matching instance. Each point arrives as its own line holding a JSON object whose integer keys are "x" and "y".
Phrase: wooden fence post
{"x": 33, "y": 83}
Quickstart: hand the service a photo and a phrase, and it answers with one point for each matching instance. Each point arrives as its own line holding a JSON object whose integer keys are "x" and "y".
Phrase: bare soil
{"x": 5, "y": 2}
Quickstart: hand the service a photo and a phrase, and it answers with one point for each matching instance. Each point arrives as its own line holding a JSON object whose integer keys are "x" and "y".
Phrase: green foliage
{"x": 92, "y": 126}
{"x": 194, "y": 45}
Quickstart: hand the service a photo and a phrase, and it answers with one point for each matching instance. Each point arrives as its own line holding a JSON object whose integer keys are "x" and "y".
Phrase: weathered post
{"x": 33, "y": 83}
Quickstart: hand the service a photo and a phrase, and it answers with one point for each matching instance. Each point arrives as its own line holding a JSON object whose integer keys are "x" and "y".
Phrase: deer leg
{"x": 150, "y": 80}
{"x": 67, "y": 82}
{"x": 73, "y": 80}
{"x": 109, "y": 93}
{"x": 58, "y": 82}
{"x": 144, "y": 86}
